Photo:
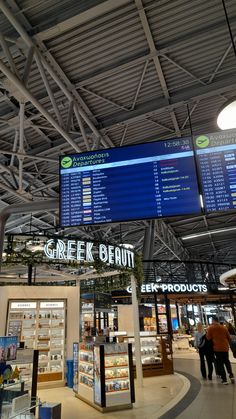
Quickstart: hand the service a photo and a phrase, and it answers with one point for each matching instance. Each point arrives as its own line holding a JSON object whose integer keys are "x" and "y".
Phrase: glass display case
{"x": 106, "y": 375}
{"x": 156, "y": 353}
{"x": 41, "y": 325}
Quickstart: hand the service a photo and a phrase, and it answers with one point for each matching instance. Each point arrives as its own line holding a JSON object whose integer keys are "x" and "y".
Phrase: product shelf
{"x": 116, "y": 366}
{"x": 118, "y": 391}
{"x": 115, "y": 354}
{"x": 86, "y": 362}
{"x": 85, "y": 373}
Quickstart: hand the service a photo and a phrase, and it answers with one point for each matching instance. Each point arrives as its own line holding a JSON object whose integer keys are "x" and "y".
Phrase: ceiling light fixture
{"x": 208, "y": 233}
{"x": 227, "y": 115}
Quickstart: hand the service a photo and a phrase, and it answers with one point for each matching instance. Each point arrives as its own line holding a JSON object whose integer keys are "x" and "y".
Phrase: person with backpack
{"x": 221, "y": 341}
{"x": 205, "y": 350}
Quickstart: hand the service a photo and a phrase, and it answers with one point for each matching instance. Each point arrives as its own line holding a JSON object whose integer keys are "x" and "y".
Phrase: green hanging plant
{"x": 138, "y": 273}
{"x": 25, "y": 257}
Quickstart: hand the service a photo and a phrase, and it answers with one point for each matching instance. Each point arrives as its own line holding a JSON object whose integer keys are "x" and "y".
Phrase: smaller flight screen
{"x": 216, "y": 158}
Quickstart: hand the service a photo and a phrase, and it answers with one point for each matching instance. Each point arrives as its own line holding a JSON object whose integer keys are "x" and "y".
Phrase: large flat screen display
{"x": 150, "y": 180}
{"x": 216, "y": 158}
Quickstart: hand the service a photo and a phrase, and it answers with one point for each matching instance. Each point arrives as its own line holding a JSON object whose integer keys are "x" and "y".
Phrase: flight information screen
{"x": 216, "y": 158}
{"x": 151, "y": 180}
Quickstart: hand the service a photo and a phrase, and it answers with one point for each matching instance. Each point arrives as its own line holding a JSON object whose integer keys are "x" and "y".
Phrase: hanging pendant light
{"x": 227, "y": 115}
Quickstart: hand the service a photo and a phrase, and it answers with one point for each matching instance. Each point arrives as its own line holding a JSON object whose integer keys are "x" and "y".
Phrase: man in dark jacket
{"x": 221, "y": 339}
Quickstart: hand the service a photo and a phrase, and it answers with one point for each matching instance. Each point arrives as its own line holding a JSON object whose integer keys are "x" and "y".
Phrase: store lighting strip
{"x": 208, "y": 233}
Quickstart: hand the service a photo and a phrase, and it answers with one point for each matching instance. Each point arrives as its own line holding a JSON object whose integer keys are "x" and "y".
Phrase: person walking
{"x": 205, "y": 350}
{"x": 221, "y": 340}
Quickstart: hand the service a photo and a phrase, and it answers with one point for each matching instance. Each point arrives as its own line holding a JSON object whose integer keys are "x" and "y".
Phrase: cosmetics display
{"x": 106, "y": 375}
{"x": 156, "y": 353}
{"x": 41, "y": 325}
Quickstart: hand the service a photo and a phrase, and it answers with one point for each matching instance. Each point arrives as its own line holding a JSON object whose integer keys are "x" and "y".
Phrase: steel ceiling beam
{"x": 68, "y": 89}
{"x": 165, "y": 235}
{"x": 152, "y": 107}
{"x": 223, "y": 58}
{"x": 28, "y": 96}
{"x": 156, "y": 61}
{"x": 83, "y": 17}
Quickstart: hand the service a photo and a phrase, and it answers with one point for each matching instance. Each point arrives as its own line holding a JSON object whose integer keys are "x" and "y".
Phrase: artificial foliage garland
{"x": 122, "y": 280}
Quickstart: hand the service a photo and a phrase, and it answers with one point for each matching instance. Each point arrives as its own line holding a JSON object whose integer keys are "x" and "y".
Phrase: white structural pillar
{"x": 139, "y": 370}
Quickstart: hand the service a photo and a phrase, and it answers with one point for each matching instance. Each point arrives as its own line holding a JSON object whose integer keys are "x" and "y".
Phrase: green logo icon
{"x": 202, "y": 141}
{"x": 66, "y": 162}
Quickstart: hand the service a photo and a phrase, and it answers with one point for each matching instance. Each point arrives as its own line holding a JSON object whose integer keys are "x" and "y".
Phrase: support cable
{"x": 229, "y": 27}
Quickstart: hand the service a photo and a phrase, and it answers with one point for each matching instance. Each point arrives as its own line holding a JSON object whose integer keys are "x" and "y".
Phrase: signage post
{"x": 139, "y": 370}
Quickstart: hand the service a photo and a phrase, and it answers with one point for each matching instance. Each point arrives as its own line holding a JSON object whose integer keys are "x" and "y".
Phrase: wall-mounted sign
{"x": 52, "y": 304}
{"x": 24, "y": 305}
{"x": 169, "y": 288}
{"x": 82, "y": 251}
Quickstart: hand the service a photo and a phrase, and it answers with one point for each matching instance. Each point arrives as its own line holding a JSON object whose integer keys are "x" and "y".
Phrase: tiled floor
{"x": 214, "y": 401}
{"x": 160, "y": 394}
{"x": 150, "y": 400}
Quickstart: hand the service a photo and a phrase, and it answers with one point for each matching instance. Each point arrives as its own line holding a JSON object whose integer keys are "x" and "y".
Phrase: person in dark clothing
{"x": 232, "y": 334}
{"x": 205, "y": 350}
{"x": 230, "y": 328}
{"x": 221, "y": 340}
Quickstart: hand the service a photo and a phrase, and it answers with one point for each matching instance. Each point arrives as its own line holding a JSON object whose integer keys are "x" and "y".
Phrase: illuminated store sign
{"x": 166, "y": 288}
{"x": 82, "y": 251}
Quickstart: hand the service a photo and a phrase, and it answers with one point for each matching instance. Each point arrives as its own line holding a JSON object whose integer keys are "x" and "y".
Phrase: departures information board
{"x": 150, "y": 180}
{"x": 216, "y": 159}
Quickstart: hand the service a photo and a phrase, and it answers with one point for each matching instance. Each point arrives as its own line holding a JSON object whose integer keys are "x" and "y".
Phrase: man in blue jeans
{"x": 221, "y": 339}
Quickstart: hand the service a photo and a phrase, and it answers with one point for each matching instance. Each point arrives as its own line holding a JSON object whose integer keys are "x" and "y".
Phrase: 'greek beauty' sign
{"x": 82, "y": 251}
{"x": 168, "y": 288}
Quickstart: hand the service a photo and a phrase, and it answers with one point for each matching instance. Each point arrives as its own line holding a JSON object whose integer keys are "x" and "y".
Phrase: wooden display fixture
{"x": 50, "y": 376}
{"x": 41, "y": 324}
{"x": 163, "y": 368}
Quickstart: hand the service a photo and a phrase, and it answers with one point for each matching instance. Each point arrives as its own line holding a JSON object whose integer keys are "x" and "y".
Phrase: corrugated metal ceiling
{"x": 102, "y": 52}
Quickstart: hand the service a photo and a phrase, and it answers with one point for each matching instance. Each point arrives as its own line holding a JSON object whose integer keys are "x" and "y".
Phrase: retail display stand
{"x": 75, "y": 366}
{"x": 156, "y": 354}
{"x": 106, "y": 378}
{"x": 41, "y": 325}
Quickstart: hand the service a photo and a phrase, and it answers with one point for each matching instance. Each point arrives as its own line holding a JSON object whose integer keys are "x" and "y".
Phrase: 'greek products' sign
{"x": 168, "y": 288}
{"x": 82, "y": 251}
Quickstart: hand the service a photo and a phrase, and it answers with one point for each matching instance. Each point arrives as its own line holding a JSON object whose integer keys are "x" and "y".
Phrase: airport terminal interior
{"x": 117, "y": 209}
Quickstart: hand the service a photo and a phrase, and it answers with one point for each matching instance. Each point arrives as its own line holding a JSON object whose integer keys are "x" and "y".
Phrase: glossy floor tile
{"x": 162, "y": 396}
{"x": 156, "y": 393}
